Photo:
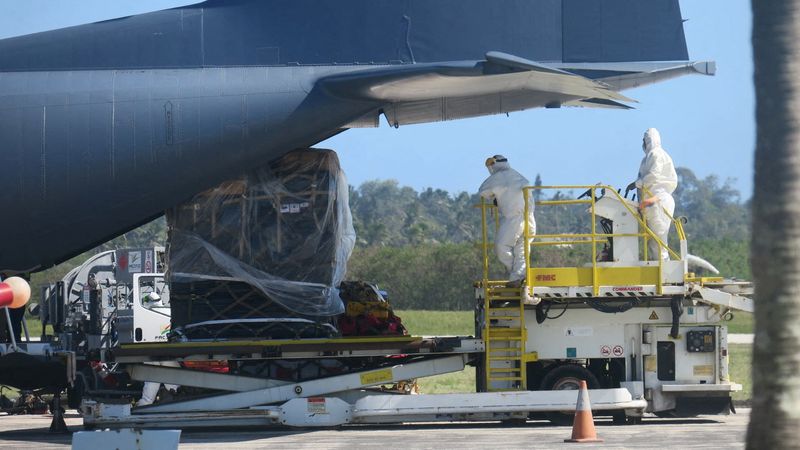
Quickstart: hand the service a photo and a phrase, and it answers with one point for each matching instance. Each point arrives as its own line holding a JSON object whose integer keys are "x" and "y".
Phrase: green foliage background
{"x": 424, "y": 247}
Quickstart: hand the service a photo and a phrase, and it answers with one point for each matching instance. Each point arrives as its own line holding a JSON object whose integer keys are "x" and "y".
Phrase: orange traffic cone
{"x": 583, "y": 426}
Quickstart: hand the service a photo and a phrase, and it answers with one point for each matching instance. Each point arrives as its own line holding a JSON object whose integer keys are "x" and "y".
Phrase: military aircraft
{"x": 104, "y": 126}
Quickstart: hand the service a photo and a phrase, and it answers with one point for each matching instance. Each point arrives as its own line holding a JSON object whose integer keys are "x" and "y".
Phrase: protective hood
{"x": 497, "y": 163}
{"x": 652, "y": 139}
{"x": 499, "y": 167}
{"x": 657, "y": 171}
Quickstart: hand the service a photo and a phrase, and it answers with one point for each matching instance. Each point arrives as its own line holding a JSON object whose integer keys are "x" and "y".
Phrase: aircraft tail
{"x": 225, "y": 33}
{"x": 622, "y": 30}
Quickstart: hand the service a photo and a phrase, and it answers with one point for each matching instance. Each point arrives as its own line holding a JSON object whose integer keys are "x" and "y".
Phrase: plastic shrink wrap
{"x": 261, "y": 256}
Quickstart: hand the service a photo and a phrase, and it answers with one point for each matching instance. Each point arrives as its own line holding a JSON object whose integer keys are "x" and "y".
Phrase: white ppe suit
{"x": 506, "y": 186}
{"x": 657, "y": 178}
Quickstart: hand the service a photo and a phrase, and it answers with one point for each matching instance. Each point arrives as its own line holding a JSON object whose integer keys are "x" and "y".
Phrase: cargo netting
{"x": 279, "y": 238}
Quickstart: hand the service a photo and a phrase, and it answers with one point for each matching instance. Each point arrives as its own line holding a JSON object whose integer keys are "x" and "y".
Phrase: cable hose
{"x": 676, "y": 305}
{"x": 566, "y": 307}
{"x": 608, "y": 309}
{"x": 543, "y": 311}
{"x": 543, "y": 308}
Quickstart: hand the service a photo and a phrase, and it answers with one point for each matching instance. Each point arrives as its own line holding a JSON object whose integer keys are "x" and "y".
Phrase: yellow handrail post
{"x": 485, "y": 334}
{"x": 527, "y": 286}
{"x": 644, "y": 193}
{"x": 595, "y": 281}
{"x": 485, "y": 231}
{"x": 645, "y": 237}
{"x": 684, "y": 249}
{"x": 526, "y": 235}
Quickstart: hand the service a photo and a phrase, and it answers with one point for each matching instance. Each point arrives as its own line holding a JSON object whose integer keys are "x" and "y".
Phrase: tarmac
{"x": 710, "y": 432}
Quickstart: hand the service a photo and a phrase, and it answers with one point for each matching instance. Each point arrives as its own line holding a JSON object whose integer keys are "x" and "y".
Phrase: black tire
{"x": 620, "y": 418}
{"x": 634, "y": 420}
{"x": 567, "y": 377}
{"x": 84, "y": 381}
{"x": 515, "y": 423}
{"x": 75, "y": 395}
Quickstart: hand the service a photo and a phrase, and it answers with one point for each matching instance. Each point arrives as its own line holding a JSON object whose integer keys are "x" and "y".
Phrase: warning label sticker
{"x": 579, "y": 331}
{"x": 377, "y": 377}
{"x": 650, "y": 364}
{"x": 316, "y": 405}
{"x": 605, "y": 350}
{"x": 703, "y": 371}
{"x": 653, "y": 315}
{"x": 134, "y": 262}
{"x": 148, "y": 261}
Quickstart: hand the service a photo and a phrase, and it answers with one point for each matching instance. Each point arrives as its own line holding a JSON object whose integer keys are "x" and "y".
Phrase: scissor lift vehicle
{"x": 618, "y": 320}
{"x": 647, "y": 336}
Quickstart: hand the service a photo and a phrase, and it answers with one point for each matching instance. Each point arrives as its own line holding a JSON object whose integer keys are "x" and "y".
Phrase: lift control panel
{"x": 700, "y": 341}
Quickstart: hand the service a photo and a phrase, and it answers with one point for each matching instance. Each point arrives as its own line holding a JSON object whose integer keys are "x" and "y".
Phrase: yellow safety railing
{"x": 487, "y": 209}
{"x": 592, "y": 238}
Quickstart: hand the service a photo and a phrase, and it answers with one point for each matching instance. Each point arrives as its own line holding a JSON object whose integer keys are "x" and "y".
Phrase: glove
{"x": 646, "y": 203}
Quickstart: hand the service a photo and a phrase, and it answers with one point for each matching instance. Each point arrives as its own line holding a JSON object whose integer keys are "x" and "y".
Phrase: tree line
{"x": 424, "y": 248}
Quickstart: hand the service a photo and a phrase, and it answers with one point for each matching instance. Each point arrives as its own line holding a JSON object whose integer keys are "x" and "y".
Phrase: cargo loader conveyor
{"x": 334, "y": 400}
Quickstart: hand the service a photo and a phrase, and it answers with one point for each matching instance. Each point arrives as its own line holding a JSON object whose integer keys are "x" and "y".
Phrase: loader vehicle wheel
{"x": 75, "y": 394}
{"x": 84, "y": 381}
{"x": 620, "y": 418}
{"x": 567, "y": 377}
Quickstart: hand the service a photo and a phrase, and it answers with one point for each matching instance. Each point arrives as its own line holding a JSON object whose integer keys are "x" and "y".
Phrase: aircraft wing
{"x": 630, "y": 75}
{"x": 448, "y": 91}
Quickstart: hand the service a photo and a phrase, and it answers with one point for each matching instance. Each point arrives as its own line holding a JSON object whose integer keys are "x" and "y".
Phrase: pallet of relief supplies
{"x": 270, "y": 244}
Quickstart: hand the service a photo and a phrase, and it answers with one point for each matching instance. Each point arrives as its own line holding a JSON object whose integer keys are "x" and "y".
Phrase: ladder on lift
{"x": 504, "y": 336}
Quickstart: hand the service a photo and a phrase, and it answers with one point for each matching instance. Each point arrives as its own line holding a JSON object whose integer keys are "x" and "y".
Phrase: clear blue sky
{"x": 707, "y": 123}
